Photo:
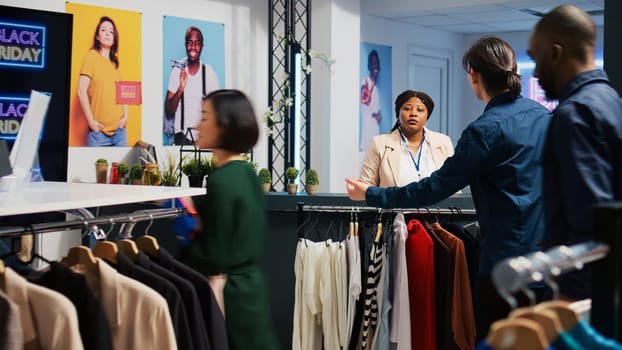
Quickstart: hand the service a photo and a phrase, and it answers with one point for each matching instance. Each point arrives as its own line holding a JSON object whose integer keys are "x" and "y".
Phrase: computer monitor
{"x": 26, "y": 144}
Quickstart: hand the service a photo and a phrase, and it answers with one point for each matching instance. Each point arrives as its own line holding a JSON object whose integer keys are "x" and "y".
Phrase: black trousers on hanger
{"x": 491, "y": 307}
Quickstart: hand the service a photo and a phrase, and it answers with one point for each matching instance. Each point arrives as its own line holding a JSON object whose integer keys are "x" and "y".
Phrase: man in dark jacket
{"x": 582, "y": 157}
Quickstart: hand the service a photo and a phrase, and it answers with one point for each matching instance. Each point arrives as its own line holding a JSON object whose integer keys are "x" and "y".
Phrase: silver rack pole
{"x": 347, "y": 209}
{"x": 513, "y": 274}
{"x": 132, "y": 218}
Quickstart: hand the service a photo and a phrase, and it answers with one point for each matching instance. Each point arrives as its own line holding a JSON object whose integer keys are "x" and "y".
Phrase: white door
{"x": 429, "y": 74}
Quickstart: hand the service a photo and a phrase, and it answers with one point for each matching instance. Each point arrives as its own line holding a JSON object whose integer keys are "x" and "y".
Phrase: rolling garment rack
{"x": 515, "y": 274}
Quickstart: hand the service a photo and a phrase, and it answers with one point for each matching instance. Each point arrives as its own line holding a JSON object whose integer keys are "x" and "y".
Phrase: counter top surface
{"x": 38, "y": 197}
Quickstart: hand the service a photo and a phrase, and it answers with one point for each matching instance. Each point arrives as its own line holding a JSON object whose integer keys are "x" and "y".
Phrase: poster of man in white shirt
{"x": 189, "y": 77}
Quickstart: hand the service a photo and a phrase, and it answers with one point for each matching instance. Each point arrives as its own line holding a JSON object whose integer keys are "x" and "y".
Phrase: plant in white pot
{"x": 291, "y": 174}
{"x": 312, "y": 182}
{"x": 266, "y": 179}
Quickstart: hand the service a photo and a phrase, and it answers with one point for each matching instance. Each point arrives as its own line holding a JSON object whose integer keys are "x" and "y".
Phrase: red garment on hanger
{"x": 420, "y": 267}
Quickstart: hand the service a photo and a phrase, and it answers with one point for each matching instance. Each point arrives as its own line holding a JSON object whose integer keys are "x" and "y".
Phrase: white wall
{"x": 334, "y": 116}
{"x": 245, "y": 56}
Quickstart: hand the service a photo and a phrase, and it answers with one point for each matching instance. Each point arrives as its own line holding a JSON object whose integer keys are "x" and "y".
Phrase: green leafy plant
{"x": 101, "y": 161}
{"x": 170, "y": 172}
{"x": 136, "y": 172}
{"x": 122, "y": 169}
{"x": 312, "y": 178}
{"x": 196, "y": 166}
{"x": 264, "y": 175}
{"x": 254, "y": 165}
{"x": 291, "y": 174}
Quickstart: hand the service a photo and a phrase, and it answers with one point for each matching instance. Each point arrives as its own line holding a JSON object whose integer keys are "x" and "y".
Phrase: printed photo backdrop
{"x": 128, "y": 23}
{"x": 174, "y": 49}
{"x": 376, "y": 114}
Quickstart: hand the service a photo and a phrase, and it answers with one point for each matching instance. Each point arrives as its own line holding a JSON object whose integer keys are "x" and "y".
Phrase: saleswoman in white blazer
{"x": 410, "y": 151}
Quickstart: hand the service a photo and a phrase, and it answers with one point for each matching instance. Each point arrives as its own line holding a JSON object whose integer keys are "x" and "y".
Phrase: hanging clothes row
{"x": 400, "y": 284}
{"x": 554, "y": 324}
{"x": 121, "y": 295}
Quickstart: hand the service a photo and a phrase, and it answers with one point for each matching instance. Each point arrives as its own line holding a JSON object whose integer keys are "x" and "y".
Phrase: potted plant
{"x": 291, "y": 174}
{"x": 170, "y": 172}
{"x": 266, "y": 179}
{"x": 196, "y": 168}
{"x": 101, "y": 170}
{"x": 136, "y": 175}
{"x": 123, "y": 169}
{"x": 312, "y": 182}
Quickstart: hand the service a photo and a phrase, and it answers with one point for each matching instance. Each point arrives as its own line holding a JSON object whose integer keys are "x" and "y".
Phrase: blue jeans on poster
{"x": 99, "y": 139}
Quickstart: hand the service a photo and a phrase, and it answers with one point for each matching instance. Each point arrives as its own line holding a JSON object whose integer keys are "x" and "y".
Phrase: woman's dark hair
{"x": 372, "y": 53}
{"x": 236, "y": 119}
{"x": 495, "y": 61}
{"x": 407, "y": 95}
{"x": 115, "y": 34}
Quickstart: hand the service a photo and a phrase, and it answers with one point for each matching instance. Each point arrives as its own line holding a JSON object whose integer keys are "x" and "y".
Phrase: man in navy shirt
{"x": 582, "y": 157}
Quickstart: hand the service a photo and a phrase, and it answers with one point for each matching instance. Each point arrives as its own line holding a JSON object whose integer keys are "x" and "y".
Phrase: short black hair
{"x": 236, "y": 118}
{"x": 196, "y": 29}
{"x": 570, "y": 27}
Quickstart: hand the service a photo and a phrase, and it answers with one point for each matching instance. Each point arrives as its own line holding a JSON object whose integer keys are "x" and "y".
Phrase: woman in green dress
{"x": 233, "y": 220}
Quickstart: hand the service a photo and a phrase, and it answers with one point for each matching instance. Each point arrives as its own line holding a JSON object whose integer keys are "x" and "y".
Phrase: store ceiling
{"x": 475, "y": 16}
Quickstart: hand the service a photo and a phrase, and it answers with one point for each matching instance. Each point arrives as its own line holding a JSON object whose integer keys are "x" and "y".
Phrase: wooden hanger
{"x": 378, "y": 233}
{"x": 106, "y": 250}
{"x": 567, "y": 316}
{"x": 128, "y": 248}
{"x": 547, "y": 319}
{"x": 148, "y": 244}
{"x": 25, "y": 251}
{"x": 516, "y": 334}
{"x": 81, "y": 255}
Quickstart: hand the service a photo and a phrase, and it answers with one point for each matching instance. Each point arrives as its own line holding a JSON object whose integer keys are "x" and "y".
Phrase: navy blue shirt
{"x": 582, "y": 166}
{"x": 582, "y": 157}
{"x": 499, "y": 156}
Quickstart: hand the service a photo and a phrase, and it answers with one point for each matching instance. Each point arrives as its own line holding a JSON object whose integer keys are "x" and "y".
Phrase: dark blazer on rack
{"x": 214, "y": 320}
{"x": 126, "y": 267}
{"x": 189, "y": 296}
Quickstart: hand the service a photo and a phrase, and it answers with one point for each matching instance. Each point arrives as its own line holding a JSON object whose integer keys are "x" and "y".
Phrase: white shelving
{"x": 38, "y": 197}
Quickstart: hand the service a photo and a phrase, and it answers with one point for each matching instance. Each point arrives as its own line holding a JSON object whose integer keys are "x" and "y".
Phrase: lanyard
{"x": 417, "y": 162}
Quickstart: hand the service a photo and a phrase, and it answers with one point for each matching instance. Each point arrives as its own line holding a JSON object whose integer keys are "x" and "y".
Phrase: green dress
{"x": 234, "y": 222}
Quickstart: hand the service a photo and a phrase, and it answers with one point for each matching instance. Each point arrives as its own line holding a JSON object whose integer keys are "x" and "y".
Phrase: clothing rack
{"x": 86, "y": 223}
{"x": 352, "y": 209}
{"x": 513, "y": 274}
{"x": 347, "y": 209}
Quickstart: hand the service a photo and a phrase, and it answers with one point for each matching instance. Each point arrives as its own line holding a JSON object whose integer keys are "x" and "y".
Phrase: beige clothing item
{"x": 49, "y": 319}
{"x": 316, "y": 252}
{"x": 381, "y": 165}
{"x": 328, "y": 296}
{"x": 138, "y": 316}
{"x": 298, "y": 296}
{"x": 14, "y": 339}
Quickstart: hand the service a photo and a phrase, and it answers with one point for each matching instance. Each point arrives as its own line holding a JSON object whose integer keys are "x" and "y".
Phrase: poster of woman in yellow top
{"x": 106, "y": 70}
